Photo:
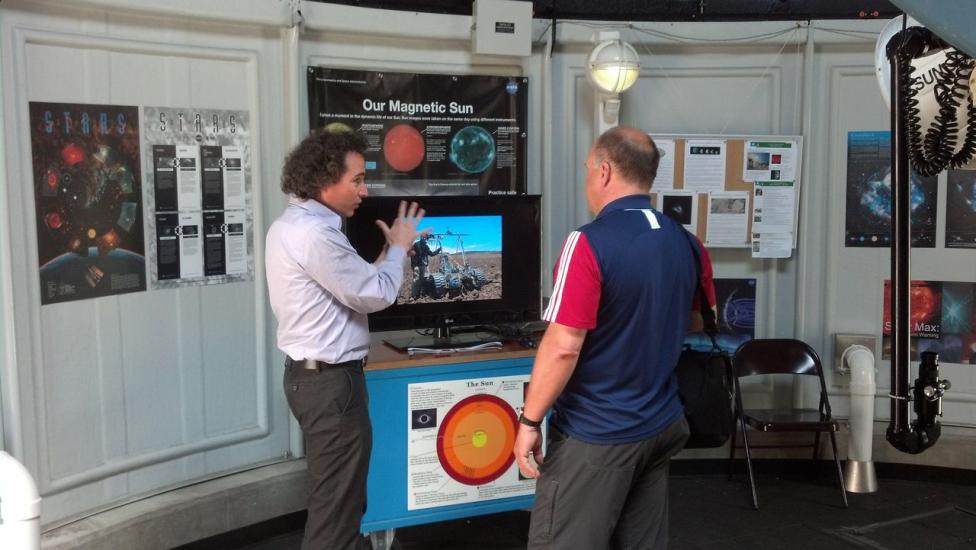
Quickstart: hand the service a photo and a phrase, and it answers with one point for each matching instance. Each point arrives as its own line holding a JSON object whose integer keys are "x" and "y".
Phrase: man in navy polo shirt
{"x": 618, "y": 313}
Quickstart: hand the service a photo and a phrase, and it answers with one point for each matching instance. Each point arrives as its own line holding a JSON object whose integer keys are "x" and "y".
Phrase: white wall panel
{"x": 72, "y": 401}
{"x": 710, "y": 100}
{"x": 128, "y": 394}
{"x": 231, "y": 383}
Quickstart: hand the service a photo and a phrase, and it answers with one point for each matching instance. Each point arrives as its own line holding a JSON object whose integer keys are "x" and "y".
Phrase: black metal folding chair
{"x": 781, "y": 356}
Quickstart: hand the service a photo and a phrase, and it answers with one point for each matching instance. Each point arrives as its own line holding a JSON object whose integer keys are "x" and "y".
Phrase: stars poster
{"x": 198, "y": 196}
{"x": 429, "y": 134}
{"x": 868, "y": 219}
{"x": 88, "y": 200}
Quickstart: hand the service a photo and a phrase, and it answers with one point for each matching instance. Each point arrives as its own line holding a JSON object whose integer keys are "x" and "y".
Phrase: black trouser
{"x": 331, "y": 406}
{"x": 593, "y": 497}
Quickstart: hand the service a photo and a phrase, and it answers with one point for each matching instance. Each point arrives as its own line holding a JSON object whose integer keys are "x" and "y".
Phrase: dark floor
{"x": 709, "y": 512}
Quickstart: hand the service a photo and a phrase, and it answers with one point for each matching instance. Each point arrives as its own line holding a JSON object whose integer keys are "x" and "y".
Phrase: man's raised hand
{"x": 404, "y": 232}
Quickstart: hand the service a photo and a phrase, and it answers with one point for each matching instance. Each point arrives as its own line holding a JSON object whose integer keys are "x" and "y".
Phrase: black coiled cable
{"x": 935, "y": 151}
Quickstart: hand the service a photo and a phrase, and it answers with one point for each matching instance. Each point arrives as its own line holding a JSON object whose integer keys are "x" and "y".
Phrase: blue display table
{"x": 389, "y": 377}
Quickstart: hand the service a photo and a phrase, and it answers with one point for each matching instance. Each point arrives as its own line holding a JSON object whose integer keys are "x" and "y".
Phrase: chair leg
{"x": 735, "y": 420}
{"x": 840, "y": 472}
{"x": 752, "y": 479}
{"x": 816, "y": 447}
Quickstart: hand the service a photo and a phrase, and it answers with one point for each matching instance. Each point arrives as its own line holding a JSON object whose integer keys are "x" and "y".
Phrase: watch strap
{"x": 528, "y": 421}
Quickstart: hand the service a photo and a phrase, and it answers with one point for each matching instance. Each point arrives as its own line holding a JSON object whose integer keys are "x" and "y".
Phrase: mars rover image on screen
{"x": 459, "y": 260}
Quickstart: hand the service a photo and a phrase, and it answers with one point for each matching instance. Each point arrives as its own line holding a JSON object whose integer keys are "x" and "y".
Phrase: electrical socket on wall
{"x": 844, "y": 341}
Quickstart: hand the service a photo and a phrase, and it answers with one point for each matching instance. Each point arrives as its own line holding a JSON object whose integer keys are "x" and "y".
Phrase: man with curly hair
{"x": 320, "y": 291}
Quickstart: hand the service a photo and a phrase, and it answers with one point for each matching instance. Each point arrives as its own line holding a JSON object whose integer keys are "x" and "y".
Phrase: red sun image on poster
{"x": 403, "y": 148}
{"x": 474, "y": 443}
{"x": 926, "y": 309}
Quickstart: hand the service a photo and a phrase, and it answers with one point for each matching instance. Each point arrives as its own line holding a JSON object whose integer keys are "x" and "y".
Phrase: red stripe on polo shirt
{"x": 576, "y": 290}
{"x": 707, "y": 278}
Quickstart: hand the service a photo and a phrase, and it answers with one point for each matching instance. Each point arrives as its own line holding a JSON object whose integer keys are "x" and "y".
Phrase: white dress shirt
{"x": 320, "y": 288}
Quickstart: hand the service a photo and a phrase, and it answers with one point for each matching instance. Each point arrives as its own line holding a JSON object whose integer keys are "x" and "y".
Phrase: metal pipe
{"x": 859, "y": 473}
{"x": 900, "y": 244}
{"x": 917, "y": 436}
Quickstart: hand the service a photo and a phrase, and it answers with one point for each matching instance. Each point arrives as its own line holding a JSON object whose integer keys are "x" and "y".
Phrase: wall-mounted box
{"x": 501, "y": 27}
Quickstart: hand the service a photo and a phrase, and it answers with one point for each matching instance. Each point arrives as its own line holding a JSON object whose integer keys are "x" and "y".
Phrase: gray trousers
{"x": 593, "y": 497}
{"x": 331, "y": 407}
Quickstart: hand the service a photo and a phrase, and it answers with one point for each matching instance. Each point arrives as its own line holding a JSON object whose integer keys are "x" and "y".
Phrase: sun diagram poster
{"x": 429, "y": 134}
{"x": 198, "y": 184}
{"x": 869, "y": 195}
{"x": 460, "y": 435}
{"x": 87, "y": 200}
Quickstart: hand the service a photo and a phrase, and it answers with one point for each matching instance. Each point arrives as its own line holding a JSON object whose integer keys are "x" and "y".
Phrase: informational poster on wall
{"x": 869, "y": 195}
{"x": 429, "y": 134}
{"x": 198, "y": 173}
{"x": 705, "y": 165}
{"x": 728, "y": 218}
{"x": 943, "y": 320}
{"x": 769, "y": 161}
{"x": 460, "y": 435}
{"x": 773, "y": 218}
{"x": 961, "y": 209}
{"x": 87, "y": 200}
{"x": 680, "y": 206}
{"x": 664, "y": 179}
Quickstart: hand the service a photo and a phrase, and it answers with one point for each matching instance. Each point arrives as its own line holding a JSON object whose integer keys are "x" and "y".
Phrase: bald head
{"x": 632, "y": 153}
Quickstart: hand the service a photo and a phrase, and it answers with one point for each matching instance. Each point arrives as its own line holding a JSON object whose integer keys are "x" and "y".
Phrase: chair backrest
{"x": 776, "y": 356}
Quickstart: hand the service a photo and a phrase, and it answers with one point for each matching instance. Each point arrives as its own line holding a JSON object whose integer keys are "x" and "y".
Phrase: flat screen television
{"x": 480, "y": 265}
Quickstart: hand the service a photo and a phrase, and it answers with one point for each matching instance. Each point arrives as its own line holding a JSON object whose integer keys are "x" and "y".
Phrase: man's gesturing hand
{"x": 404, "y": 230}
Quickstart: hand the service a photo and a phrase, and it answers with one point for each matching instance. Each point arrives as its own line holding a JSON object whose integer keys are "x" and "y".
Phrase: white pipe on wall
{"x": 20, "y": 506}
{"x": 859, "y": 470}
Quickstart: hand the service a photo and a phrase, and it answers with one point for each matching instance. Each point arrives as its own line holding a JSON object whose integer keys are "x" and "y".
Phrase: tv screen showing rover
{"x": 459, "y": 260}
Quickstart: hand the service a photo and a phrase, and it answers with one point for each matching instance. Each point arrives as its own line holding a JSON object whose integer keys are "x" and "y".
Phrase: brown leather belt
{"x": 312, "y": 364}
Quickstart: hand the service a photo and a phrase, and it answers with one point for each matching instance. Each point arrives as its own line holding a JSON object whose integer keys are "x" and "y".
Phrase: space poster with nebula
{"x": 943, "y": 320}
{"x": 428, "y": 134}
{"x": 735, "y": 308}
{"x": 961, "y": 209}
{"x": 87, "y": 200}
{"x": 735, "y": 302}
{"x": 868, "y": 219}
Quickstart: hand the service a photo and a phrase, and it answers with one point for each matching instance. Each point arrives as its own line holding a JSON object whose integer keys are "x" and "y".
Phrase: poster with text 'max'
{"x": 460, "y": 435}
{"x": 198, "y": 163}
{"x": 942, "y": 320}
{"x": 428, "y": 134}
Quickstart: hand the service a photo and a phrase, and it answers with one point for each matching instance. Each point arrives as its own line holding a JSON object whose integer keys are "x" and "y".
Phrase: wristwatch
{"x": 529, "y": 422}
